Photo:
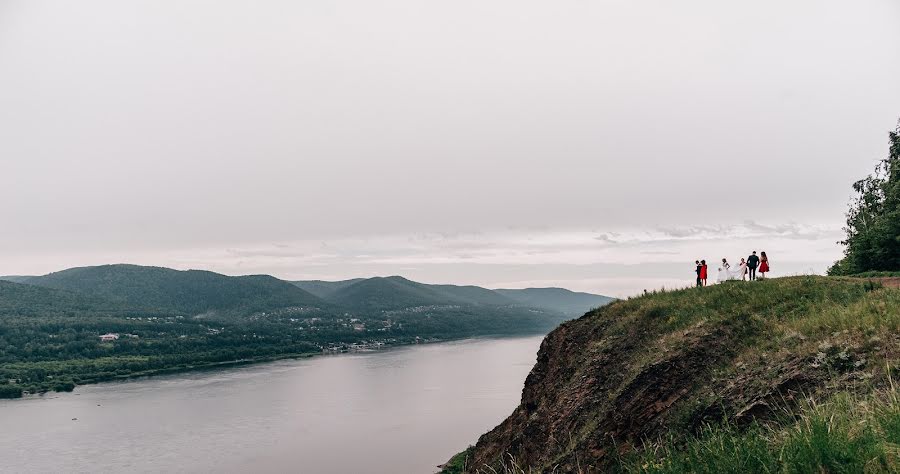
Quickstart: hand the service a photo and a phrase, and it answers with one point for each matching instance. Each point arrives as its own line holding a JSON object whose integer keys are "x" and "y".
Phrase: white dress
{"x": 724, "y": 273}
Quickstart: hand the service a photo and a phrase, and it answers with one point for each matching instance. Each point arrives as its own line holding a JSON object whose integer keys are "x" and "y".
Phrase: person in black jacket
{"x": 699, "y": 269}
{"x": 752, "y": 263}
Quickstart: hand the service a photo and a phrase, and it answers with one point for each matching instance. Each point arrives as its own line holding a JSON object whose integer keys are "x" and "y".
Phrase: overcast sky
{"x": 596, "y": 145}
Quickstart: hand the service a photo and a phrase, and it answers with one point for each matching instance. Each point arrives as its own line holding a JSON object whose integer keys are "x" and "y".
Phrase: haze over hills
{"x": 570, "y": 303}
{"x": 394, "y": 292}
{"x": 324, "y": 289}
{"x": 16, "y": 278}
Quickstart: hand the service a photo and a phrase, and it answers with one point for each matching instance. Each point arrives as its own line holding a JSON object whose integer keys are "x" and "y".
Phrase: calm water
{"x": 398, "y": 411}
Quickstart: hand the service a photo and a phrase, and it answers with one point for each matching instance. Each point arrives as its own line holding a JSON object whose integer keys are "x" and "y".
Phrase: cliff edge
{"x": 638, "y": 384}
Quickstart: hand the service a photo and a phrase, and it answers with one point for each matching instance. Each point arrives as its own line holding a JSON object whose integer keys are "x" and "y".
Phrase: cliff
{"x": 635, "y": 385}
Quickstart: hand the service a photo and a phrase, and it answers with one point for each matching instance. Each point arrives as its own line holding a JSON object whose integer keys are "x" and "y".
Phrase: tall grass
{"x": 847, "y": 434}
{"x": 842, "y": 330}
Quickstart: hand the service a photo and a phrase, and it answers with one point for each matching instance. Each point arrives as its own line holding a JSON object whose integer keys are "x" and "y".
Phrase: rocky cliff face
{"x": 668, "y": 363}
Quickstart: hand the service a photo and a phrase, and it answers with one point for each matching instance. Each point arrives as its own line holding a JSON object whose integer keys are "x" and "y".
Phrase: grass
{"x": 847, "y": 434}
{"x": 458, "y": 463}
{"x": 844, "y": 332}
{"x": 874, "y": 274}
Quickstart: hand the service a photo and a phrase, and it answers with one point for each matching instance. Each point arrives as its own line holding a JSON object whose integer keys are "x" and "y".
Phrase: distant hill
{"x": 18, "y": 299}
{"x": 474, "y": 295}
{"x": 401, "y": 288}
{"x": 324, "y": 289}
{"x": 395, "y": 292}
{"x": 568, "y": 302}
{"x": 192, "y": 291}
{"x": 195, "y": 292}
{"x": 157, "y": 319}
{"x": 16, "y": 278}
{"x": 389, "y": 293}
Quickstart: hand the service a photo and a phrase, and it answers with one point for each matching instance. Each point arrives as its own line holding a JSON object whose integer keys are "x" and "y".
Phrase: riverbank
{"x": 333, "y": 349}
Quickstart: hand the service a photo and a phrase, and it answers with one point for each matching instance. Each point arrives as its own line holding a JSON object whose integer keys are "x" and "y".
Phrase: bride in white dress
{"x": 726, "y": 273}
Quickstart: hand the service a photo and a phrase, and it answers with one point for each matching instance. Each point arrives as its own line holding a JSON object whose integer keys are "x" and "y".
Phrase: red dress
{"x": 703, "y": 272}
{"x": 764, "y": 266}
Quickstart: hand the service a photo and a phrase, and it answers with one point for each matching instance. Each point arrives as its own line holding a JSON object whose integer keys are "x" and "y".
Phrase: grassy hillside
{"x": 570, "y": 303}
{"x": 192, "y": 292}
{"x": 783, "y": 375}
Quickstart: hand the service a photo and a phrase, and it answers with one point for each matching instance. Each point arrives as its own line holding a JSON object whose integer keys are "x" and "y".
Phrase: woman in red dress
{"x": 703, "y": 272}
{"x": 763, "y": 264}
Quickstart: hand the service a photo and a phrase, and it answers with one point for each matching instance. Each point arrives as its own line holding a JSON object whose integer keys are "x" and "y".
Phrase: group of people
{"x": 747, "y": 268}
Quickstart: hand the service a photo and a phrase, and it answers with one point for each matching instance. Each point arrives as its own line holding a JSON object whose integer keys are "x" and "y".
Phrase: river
{"x": 402, "y": 410}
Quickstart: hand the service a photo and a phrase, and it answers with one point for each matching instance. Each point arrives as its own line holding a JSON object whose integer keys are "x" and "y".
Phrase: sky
{"x": 599, "y": 145}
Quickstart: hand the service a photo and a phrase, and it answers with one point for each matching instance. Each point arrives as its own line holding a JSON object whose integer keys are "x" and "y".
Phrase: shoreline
{"x": 266, "y": 359}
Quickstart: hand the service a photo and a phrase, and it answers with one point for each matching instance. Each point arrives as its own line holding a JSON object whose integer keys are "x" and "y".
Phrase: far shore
{"x": 265, "y": 359}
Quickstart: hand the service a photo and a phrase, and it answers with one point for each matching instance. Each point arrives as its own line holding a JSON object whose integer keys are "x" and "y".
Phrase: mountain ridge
{"x": 197, "y": 291}
{"x": 89, "y": 324}
{"x": 188, "y": 291}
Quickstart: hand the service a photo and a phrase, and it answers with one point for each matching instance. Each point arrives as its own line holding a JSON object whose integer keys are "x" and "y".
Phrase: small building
{"x": 108, "y": 337}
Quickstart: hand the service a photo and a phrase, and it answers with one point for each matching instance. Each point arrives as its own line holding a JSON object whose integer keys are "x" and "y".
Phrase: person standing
{"x": 699, "y": 269}
{"x": 724, "y": 271}
{"x": 704, "y": 272}
{"x": 741, "y": 270}
{"x": 763, "y": 265}
{"x": 752, "y": 263}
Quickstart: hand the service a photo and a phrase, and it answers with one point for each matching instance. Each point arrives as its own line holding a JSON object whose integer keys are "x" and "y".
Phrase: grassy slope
{"x": 799, "y": 369}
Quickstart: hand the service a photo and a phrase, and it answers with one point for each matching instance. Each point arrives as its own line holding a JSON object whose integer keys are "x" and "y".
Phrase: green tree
{"x": 873, "y": 221}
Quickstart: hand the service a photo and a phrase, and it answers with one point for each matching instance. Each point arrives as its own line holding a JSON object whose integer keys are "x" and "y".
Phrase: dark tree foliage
{"x": 873, "y": 221}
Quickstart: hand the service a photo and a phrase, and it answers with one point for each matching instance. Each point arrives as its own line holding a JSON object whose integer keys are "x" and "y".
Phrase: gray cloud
{"x": 373, "y": 136}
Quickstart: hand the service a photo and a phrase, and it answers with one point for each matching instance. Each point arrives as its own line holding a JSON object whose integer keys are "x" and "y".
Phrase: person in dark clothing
{"x": 752, "y": 263}
{"x": 699, "y": 269}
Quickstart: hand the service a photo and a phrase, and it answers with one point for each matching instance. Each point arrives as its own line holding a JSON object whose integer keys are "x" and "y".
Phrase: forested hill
{"x": 195, "y": 292}
{"x": 154, "y": 319}
{"x": 324, "y": 289}
{"x": 22, "y": 300}
{"x": 395, "y": 292}
{"x": 192, "y": 292}
{"x": 568, "y": 302}
{"x": 388, "y": 293}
